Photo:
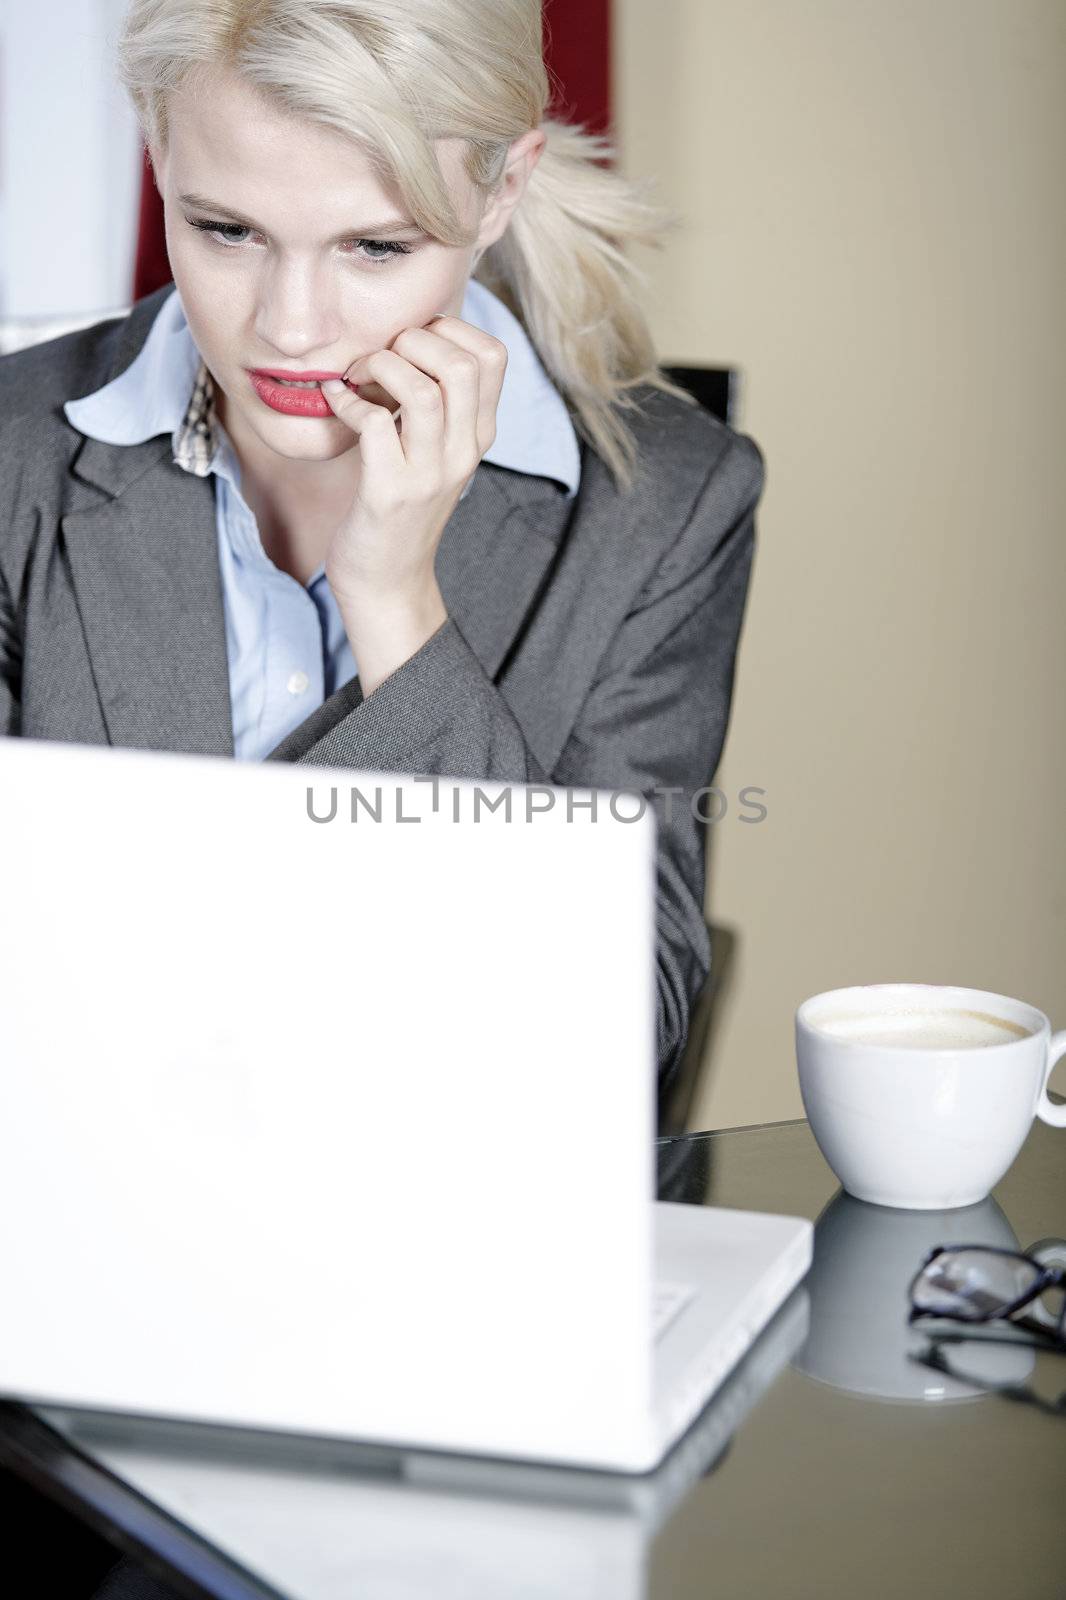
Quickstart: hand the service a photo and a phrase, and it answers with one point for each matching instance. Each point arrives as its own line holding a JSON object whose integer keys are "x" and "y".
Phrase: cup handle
{"x": 1046, "y": 1109}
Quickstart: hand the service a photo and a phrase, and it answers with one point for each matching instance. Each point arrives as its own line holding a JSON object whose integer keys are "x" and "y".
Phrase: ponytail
{"x": 561, "y": 268}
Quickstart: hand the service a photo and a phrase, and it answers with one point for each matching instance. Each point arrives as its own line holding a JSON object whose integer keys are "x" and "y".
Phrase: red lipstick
{"x": 310, "y": 402}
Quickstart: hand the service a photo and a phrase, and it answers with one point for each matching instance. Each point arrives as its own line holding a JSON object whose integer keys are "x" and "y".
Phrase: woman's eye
{"x": 391, "y": 247}
{"x": 226, "y": 229}
{"x": 222, "y": 233}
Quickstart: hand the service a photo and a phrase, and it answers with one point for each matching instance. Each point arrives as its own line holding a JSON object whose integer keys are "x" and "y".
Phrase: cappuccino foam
{"x": 922, "y": 1029}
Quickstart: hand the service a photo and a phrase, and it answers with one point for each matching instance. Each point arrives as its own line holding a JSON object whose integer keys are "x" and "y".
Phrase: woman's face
{"x": 303, "y": 275}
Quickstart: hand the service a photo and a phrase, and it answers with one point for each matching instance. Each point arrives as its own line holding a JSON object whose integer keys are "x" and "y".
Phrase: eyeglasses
{"x": 984, "y": 1283}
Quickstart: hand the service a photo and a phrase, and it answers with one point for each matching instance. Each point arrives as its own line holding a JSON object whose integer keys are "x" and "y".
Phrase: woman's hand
{"x": 447, "y": 378}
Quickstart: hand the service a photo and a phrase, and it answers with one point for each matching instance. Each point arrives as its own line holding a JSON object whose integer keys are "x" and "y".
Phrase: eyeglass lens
{"x": 973, "y": 1283}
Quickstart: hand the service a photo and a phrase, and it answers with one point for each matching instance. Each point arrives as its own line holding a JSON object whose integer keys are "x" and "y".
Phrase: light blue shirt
{"x": 285, "y": 641}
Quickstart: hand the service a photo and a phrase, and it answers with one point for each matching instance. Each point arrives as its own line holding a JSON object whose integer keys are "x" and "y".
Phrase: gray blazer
{"x": 589, "y": 642}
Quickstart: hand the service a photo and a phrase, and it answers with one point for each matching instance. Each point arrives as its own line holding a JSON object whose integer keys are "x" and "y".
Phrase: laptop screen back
{"x": 312, "y": 1114}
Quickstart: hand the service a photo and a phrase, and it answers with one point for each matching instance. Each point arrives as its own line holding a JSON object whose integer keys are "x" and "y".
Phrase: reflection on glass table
{"x": 845, "y": 1436}
{"x": 864, "y": 1261}
{"x": 329, "y": 1520}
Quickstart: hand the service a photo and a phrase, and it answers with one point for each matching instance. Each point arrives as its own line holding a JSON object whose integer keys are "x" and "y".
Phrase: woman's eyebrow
{"x": 370, "y": 231}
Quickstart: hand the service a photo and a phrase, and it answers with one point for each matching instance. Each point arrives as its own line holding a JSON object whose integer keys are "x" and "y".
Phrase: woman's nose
{"x": 296, "y": 316}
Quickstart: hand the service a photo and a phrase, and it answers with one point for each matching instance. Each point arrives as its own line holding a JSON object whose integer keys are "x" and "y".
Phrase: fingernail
{"x": 333, "y": 386}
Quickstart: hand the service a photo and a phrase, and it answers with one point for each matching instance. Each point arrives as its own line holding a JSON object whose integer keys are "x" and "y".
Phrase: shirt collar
{"x": 168, "y": 389}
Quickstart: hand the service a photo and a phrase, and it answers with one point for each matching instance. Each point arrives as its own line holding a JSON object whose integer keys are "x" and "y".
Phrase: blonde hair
{"x": 394, "y": 75}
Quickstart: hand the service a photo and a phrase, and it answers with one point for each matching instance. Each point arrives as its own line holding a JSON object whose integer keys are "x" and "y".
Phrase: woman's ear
{"x": 518, "y": 169}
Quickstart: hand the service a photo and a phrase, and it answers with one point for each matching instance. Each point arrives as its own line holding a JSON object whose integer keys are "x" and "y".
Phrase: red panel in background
{"x": 577, "y": 49}
{"x": 151, "y": 266}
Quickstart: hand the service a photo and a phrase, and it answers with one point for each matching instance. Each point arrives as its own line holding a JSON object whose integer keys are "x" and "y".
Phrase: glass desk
{"x": 831, "y": 1464}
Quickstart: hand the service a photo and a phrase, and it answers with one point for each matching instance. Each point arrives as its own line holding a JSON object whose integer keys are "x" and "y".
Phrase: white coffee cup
{"x": 920, "y": 1095}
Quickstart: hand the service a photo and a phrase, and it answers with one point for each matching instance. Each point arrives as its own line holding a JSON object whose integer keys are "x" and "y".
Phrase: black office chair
{"x": 716, "y": 388}
{"x": 678, "y": 1097}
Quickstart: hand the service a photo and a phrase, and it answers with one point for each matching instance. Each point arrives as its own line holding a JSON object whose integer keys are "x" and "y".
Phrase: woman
{"x": 332, "y": 498}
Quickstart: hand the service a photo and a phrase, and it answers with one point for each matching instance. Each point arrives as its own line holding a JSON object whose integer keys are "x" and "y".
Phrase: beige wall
{"x": 875, "y": 234}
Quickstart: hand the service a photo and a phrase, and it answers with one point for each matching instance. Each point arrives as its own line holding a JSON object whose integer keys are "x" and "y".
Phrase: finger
{"x": 457, "y": 373}
{"x": 491, "y": 357}
{"x": 373, "y": 424}
{"x": 421, "y": 403}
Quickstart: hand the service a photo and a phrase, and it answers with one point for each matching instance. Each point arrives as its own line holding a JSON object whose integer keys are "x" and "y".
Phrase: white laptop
{"x": 329, "y": 1102}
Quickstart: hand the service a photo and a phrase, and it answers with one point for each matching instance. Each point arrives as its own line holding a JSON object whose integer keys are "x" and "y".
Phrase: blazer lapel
{"x": 145, "y": 568}
{"x": 495, "y": 557}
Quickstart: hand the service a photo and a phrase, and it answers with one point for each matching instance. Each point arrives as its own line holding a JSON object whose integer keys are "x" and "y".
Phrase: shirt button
{"x": 297, "y": 683}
